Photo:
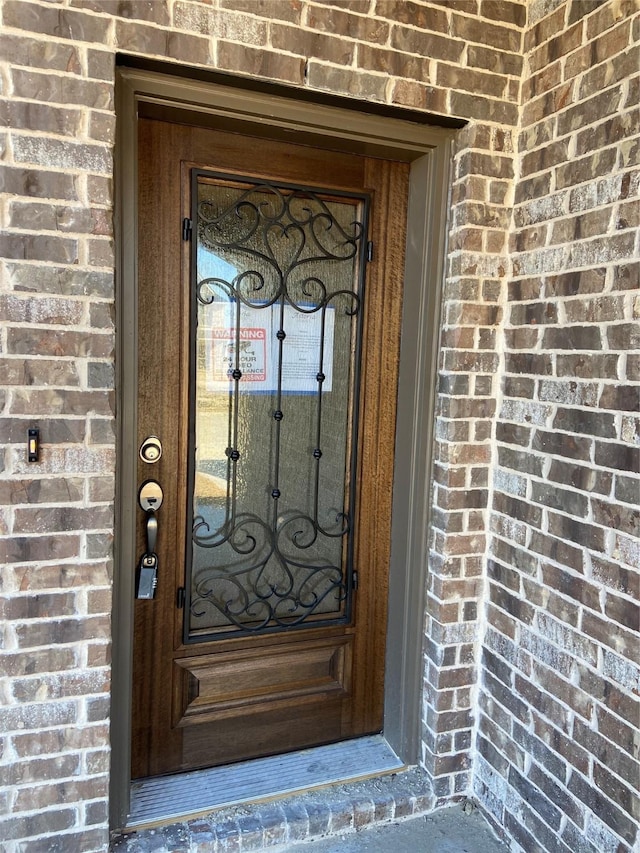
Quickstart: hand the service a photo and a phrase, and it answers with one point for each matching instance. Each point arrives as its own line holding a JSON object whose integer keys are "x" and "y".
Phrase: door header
{"x": 173, "y": 98}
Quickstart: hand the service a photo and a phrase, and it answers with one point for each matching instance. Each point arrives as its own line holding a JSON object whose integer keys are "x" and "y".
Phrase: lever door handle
{"x": 152, "y": 531}
{"x": 150, "y": 500}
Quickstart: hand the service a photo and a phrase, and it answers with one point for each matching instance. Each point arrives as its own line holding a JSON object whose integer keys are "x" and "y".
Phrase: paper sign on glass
{"x": 258, "y": 349}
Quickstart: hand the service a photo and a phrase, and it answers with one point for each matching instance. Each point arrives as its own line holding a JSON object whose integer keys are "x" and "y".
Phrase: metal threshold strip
{"x": 168, "y": 798}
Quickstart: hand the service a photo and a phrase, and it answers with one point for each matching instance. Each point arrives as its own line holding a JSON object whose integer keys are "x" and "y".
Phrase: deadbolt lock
{"x": 151, "y": 449}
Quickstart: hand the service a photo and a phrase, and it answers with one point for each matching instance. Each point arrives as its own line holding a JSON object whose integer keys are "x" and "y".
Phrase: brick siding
{"x": 532, "y": 554}
{"x": 558, "y": 709}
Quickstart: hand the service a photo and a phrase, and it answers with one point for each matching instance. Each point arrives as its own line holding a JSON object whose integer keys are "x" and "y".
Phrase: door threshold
{"x": 164, "y": 799}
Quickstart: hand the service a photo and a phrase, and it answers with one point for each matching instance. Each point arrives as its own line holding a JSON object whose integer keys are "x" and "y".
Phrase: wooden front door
{"x": 269, "y": 279}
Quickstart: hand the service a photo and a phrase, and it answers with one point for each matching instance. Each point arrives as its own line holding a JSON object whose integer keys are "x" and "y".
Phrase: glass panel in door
{"x": 275, "y": 357}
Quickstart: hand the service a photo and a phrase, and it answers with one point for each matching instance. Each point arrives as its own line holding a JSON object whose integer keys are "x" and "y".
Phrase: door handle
{"x": 150, "y": 499}
{"x": 152, "y": 531}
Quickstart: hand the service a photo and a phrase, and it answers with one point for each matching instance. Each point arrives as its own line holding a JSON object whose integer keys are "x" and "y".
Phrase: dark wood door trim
{"x": 429, "y": 151}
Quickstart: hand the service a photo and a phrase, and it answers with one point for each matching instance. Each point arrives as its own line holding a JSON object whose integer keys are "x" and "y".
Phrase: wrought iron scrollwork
{"x": 276, "y": 572}
{"x": 265, "y": 217}
{"x": 267, "y": 585}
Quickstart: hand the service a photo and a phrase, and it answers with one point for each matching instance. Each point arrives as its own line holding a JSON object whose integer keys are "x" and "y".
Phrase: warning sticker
{"x": 248, "y": 354}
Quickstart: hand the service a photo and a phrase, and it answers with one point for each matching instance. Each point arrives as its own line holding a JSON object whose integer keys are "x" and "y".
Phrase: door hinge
{"x": 370, "y": 251}
{"x": 354, "y": 581}
{"x": 187, "y": 228}
{"x": 180, "y": 597}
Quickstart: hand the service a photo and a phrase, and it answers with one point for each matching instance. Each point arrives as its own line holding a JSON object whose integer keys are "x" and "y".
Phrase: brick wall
{"x": 467, "y": 387}
{"x": 558, "y": 712}
{"x": 56, "y": 520}
{"x": 462, "y": 59}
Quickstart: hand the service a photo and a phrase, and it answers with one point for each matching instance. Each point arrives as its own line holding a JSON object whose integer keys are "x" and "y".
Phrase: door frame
{"x": 280, "y": 113}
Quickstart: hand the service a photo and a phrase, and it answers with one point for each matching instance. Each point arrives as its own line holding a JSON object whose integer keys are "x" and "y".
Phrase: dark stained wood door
{"x": 218, "y": 678}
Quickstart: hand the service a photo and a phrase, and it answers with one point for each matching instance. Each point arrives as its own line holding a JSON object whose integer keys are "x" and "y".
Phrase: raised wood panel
{"x": 217, "y": 686}
{"x": 268, "y": 733}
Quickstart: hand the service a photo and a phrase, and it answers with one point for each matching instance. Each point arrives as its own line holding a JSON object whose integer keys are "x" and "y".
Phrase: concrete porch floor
{"x": 447, "y": 830}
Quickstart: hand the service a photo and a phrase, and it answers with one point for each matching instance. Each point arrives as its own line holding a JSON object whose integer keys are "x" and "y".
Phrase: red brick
{"x": 408, "y": 93}
{"x": 262, "y": 63}
{"x": 624, "y": 642}
{"x": 604, "y": 808}
{"x": 503, "y": 38}
{"x": 45, "y": 53}
{"x": 58, "y": 343}
{"x": 27, "y": 549}
{"x": 327, "y": 48}
{"x": 47, "y": 118}
{"x": 69, "y": 90}
{"x": 40, "y": 309}
{"x": 57, "y": 22}
{"x": 44, "y": 606}
{"x": 623, "y": 612}
{"x": 426, "y": 44}
{"x": 62, "y": 631}
{"x": 601, "y": 104}
{"x": 546, "y": 79}
{"x": 392, "y": 62}
{"x": 340, "y": 22}
{"x": 52, "y": 821}
{"x": 39, "y": 662}
{"x": 39, "y": 248}
{"x": 289, "y": 10}
{"x": 41, "y": 519}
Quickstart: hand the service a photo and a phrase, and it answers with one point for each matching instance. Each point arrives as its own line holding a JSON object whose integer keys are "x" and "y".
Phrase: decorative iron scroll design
{"x": 276, "y": 573}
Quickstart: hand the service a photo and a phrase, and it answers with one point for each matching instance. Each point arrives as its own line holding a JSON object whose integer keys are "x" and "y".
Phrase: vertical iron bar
{"x": 362, "y": 266}
{"x": 275, "y": 493}
{"x": 192, "y": 303}
{"x": 235, "y": 453}
{"x": 317, "y": 453}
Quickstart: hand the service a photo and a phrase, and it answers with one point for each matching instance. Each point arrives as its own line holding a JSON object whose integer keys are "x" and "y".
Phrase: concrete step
{"x": 266, "y": 826}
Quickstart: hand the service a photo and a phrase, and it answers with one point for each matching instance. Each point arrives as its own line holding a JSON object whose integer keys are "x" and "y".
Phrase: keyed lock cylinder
{"x": 151, "y": 449}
